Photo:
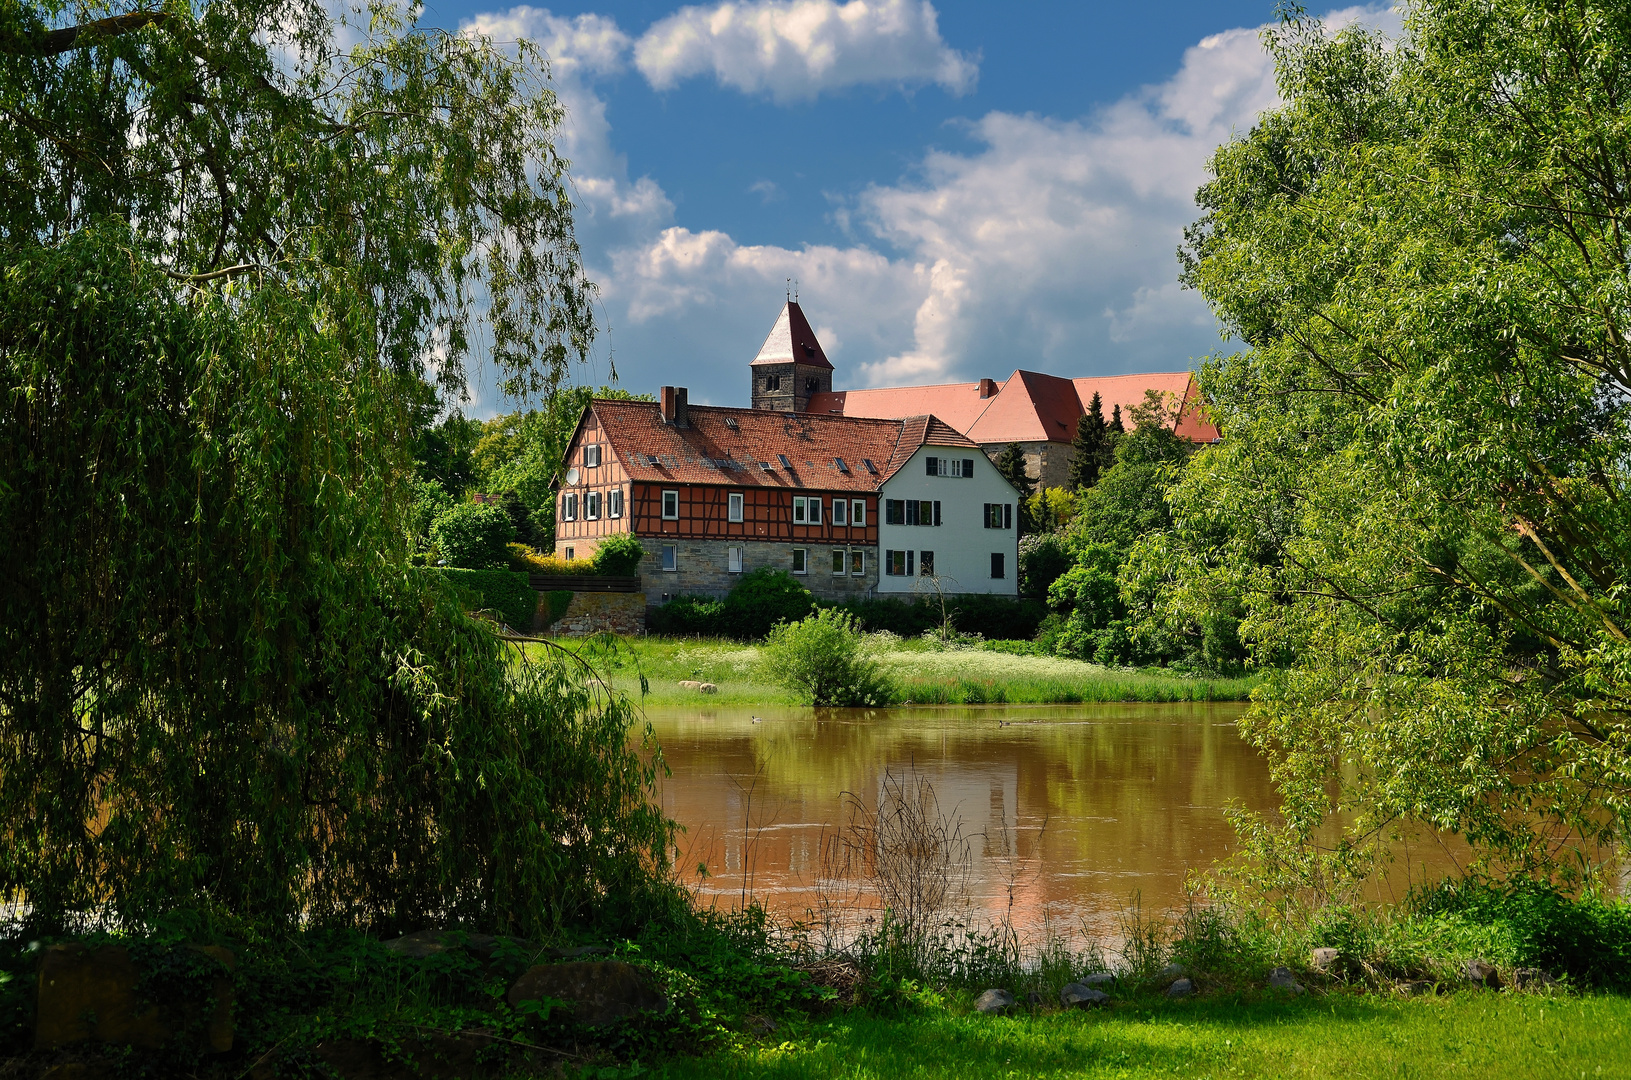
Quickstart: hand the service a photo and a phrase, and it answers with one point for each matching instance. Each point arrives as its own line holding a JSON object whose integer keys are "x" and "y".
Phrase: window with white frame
{"x": 733, "y": 560}
{"x": 671, "y": 506}
{"x": 801, "y": 560}
{"x": 733, "y": 506}
{"x": 839, "y": 562}
{"x": 801, "y": 510}
{"x": 999, "y": 515}
{"x": 925, "y": 563}
{"x": 671, "y": 556}
{"x": 899, "y": 563}
{"x": 815, "y": 511}
{"x": 614, "y": 503}
{"x": 569, "y": 506}
{"x": 857, "y": 512}
{"x": 945, "y": 466}
{"x": 591, "y": 456}
{"x": 840, "y": 515}
{"x": 591, "y": 506}
{"x": 857, "y": 563}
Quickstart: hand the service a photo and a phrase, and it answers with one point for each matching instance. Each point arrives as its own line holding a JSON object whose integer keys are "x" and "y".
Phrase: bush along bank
{"x": 463, "y": 1004}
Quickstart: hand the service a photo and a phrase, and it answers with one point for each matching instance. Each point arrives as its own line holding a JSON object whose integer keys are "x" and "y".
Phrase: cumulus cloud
{"x": 798, "y": 49}
{"x": 1051, "y": 246}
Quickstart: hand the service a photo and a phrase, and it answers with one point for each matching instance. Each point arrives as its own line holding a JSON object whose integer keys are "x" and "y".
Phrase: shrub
{"x": 689, "y": 616}
{"x": 823, "y": 659}
{"x": 1588, "y": 939}
{"x": 619, "y": 555}
{"x": 763, "y": 598}
{"x": 1042, "y": 558}
{"x": 992, "y": 616}
{"x": 528, "y": 561}
{"x": 503, "y": 591}
{"x": 472, "y": 536}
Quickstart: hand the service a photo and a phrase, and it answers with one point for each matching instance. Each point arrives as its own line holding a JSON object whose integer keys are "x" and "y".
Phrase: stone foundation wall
{"x": 597, "y": 613}
{"x": 1048, "y": 461}
{"x": 704, "y": 568}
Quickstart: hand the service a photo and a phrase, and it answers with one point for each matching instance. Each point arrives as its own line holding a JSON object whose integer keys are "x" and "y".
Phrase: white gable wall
{"x": 961, "y": 543}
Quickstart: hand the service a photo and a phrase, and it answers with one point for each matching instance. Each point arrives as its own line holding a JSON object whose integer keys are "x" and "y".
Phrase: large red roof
{"x": 733, "y": 446}
{"x": 1028, "y": 407}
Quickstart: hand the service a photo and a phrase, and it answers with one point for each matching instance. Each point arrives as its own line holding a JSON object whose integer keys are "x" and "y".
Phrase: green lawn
{"x": 1470, "y": 1034}
{"x": 925, "y": 675}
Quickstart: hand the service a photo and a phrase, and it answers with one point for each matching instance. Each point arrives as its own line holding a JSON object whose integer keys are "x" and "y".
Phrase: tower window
{"x": 811, "y": 384}
{"x": 773, "y": 382}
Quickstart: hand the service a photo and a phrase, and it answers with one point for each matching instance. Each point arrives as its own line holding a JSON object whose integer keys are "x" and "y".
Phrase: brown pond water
{"x": 1071, "y": 810}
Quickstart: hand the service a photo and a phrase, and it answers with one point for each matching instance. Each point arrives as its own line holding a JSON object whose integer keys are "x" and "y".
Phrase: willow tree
{"x": 1422, "y": 493}
{"x": 230, "y": 250}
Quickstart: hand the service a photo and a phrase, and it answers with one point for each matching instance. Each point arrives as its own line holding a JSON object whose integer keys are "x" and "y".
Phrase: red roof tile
{"x": 1028, "y": 407}
{"x": 792, "y": 340}
{"x": 731, "y": 446}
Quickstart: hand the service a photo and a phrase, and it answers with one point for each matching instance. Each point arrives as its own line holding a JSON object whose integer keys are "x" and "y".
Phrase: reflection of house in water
{"x": 1069, "y": 817}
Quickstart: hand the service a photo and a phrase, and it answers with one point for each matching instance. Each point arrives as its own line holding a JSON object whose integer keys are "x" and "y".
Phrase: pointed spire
{"x": 792, "y": 340}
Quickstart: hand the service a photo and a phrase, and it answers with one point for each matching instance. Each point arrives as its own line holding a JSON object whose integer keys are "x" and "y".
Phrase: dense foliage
{"x": 619, "y": 555}
{"x": 1421, "y": 499}
{"x": 504, "y": 592}
{"x": 228, "y": 251}
{"x": 473, "y": 536}
{"x": 824, "y": 659}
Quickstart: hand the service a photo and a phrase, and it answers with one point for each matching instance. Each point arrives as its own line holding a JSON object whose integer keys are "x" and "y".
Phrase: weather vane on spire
{"x": 789, "y": 282}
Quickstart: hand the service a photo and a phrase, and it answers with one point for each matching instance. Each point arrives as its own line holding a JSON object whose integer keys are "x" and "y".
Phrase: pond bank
{"x": 925, "y": 674}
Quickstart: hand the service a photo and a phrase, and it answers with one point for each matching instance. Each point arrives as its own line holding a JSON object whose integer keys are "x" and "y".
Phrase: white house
{"x": 948, "y": 520}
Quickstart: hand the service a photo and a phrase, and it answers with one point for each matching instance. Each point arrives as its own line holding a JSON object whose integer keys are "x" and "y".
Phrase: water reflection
{"x": 1071, "y": 809}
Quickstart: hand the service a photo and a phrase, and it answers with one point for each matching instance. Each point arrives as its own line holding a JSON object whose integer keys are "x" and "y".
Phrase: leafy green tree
{"x": 1089, "y": 445}
{"x": 824, "y": 659}
{"x": 472, "y": 536}
{"x": 228, "y": 251}
{"x": 619, "y": 555}
{"x": 1042, "y": 558}
{"x": 1011, "y": 464}
{"x": 1429, "y": 428}
{"x": 1127, "y": 505}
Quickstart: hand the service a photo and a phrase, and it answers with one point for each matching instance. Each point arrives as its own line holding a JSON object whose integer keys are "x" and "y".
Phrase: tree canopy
{"x": 230, "y": 250}
{"x": 1422, "y": 496}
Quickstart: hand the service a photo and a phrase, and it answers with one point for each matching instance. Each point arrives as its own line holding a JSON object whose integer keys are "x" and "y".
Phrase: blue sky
{"x": 961, "y": 189}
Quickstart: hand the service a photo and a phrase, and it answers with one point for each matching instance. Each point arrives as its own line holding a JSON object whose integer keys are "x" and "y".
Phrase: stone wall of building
{"x": 1048, "y": 460}
{"x": 704, "y": 568}
{"x": 600, "y": 612}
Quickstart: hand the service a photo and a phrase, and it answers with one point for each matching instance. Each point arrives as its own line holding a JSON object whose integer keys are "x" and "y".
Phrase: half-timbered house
{"x": 714, "y": 492}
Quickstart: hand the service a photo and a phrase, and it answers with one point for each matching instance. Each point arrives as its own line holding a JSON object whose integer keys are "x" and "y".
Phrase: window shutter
{"x": 937, "y": 511}
{"x": 1008, "y": 515}
{"x": 933, "y": 466}
{"x": 910, "y": 569}
{"x": 968, "y": 466}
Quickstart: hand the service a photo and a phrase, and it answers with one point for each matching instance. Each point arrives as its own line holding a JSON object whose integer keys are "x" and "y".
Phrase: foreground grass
{"x": 925, "y": 676}
{"x": 1471, "y": 1034}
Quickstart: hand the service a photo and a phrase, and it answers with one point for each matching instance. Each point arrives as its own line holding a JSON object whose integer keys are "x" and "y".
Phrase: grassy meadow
{"x": 1471, "y": 1034}
{"x": 924, "y": 673}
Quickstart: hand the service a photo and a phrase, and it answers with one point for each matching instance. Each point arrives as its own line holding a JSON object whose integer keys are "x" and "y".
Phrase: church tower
{"x": 790, "y": 365}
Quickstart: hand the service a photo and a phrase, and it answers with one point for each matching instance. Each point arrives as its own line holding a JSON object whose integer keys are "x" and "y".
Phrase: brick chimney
{"x": 671, "y": 399}
{"x": 988, "y": 388}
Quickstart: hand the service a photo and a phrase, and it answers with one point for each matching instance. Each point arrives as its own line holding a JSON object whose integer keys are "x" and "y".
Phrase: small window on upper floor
{"x": 840, "y": 515}
{"x": 857, "y": 512}
{"x": 671, "y": 506}
{"x": 591, "y": 506}
{"x": 811, "y": 385}
{"x": 614, "y": 503}
{"x": 733, "y": 506}
{"x": 591, "y": 456}
{"x": 773, "y": 382}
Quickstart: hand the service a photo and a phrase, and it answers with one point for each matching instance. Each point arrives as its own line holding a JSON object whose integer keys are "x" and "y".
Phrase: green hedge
{"x": 504, "y": 591}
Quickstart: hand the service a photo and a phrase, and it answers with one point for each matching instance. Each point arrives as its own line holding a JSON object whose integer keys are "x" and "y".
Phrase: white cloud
{"x": 798, "y": 49}
{"x": 1050, "y": 246}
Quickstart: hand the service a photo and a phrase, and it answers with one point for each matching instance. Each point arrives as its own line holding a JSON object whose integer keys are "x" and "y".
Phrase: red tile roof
{"x": 731, "y": 446}
{"x": 792, "y": 340}
{"x": 1028, "y": 407}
